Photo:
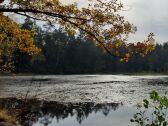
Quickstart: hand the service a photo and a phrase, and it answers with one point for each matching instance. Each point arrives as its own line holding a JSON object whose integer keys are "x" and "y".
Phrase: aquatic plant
{"x": 153, "y": 112}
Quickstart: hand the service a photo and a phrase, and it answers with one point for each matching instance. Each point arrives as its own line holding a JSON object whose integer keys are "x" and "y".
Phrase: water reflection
{"x": 33, "y": 112}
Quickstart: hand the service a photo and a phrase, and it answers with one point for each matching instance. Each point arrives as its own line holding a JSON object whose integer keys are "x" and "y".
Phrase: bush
{"x": 153, "y": 112}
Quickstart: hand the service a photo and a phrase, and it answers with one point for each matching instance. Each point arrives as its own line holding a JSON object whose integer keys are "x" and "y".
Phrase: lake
{"x": 80, "y": 100}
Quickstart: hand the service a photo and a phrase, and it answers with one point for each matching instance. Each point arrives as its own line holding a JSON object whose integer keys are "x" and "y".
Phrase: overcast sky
{"x": 148, "y": 16}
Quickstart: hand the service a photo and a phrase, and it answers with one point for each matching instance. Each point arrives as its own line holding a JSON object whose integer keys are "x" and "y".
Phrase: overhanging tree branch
{"x": 87, "y": 18}
{"x": 35, "y": 11}
{"x": 94, "y": 36}
{"x": 23, "y": 12}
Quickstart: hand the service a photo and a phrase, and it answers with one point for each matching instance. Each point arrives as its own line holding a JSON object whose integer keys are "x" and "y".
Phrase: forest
{"x": 78, "y": 63}
{"x": 65, "y": 54}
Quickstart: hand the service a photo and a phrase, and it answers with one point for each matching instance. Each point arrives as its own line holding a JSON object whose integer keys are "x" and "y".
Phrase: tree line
{"x": 65, "y": 54}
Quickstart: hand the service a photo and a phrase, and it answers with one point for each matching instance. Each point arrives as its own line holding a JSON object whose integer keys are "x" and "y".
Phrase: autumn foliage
{"x": 99, "y": 20}
{"x": 5, "y": 117}
{"x": 13, "y": 38}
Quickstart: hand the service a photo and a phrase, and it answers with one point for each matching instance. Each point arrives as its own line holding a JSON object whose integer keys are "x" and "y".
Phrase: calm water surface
{"x": 86, "y": 100}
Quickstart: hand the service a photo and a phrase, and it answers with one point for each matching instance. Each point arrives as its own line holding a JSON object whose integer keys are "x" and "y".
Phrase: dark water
{"x": 78, "y": 100}
{"x": 47, "y": 113}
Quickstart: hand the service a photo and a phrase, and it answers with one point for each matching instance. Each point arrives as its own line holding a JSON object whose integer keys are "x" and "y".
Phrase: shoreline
{"x": 40, "y": 74}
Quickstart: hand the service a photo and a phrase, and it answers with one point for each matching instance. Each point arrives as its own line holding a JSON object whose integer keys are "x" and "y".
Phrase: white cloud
{"x": 81, "y": 3}
{"x": 148, "y": 16}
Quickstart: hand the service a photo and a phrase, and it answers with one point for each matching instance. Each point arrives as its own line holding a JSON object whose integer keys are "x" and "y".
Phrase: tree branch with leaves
{"x": 100, "y": 21}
